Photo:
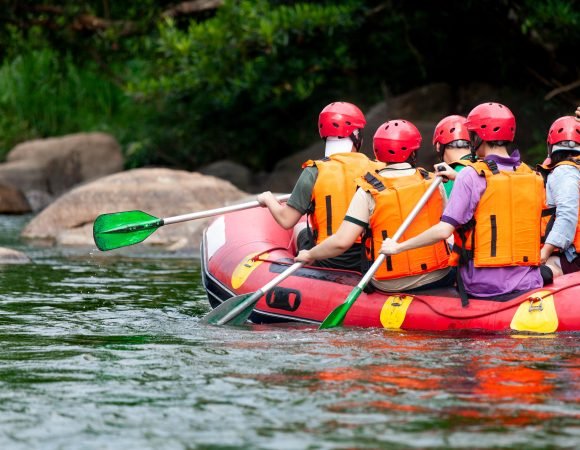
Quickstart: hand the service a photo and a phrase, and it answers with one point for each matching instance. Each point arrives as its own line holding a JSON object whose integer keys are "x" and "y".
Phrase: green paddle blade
{"x": 336, "y": 317}
{"x": 244, "y": 302}
{"x": 121, "y": 229}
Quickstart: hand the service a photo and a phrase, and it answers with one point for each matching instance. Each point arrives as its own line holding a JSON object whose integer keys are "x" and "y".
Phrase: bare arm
{"x": 285, "y": 215}
{"x": 335, "y": 245}
{"x": 428, "y": 237}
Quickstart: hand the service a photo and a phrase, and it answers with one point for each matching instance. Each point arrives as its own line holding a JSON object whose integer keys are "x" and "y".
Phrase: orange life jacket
{"x": 394, "y": 199}
{"x": 549, "y": 212}
{"x": 505, "y": 228}
{"x": 334, "y": 188}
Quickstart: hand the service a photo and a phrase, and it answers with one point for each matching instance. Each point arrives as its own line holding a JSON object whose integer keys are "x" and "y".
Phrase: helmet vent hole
{"x": 452, "y": 130}
{"x": 484, "y": 126}
{"x": 335, "y": 125}
{"x": 396, "y": 124}
{"x": 387, "y": 127}
{"x": 496, "y": 129}
{"x": 348, "y": 123}
{"x": 441, "y": 132}
{"x": 501, "y": 106}
{"x": 392, "y": 152}
{"x": 403, "y": 148}
{"x": 577, "y": 130}
{"x": 560, "y": 130}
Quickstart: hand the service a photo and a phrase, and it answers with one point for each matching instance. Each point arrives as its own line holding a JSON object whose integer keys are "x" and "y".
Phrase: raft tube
{"x": 243, "y": 251}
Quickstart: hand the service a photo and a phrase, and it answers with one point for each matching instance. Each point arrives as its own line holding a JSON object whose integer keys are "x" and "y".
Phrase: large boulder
{"x": 240, "y": 176}
{"x": 12, "y": 200}
{"x": 44, "y": 169}
{"x": 160, "y": 192}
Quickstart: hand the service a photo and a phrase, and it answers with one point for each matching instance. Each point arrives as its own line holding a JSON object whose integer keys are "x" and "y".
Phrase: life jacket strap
{"x": 552, "y": 213}
{"x": 492, "y": 165}
{"x": 461, "y": 289}
{"x": 388, "y": 259}
{"x": 374, "y": 182}
{"x": 425, "y": 174}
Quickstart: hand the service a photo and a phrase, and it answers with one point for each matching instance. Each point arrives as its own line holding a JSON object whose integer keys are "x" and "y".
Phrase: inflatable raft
{"x": 244, "y": 250}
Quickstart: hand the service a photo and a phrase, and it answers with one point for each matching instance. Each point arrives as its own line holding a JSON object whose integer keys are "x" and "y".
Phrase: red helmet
{"x": 492, "y": 122}
{"x": 449, "y": 129}
{"x": 395, "y": 140}
{"x": 340, "y": 119}
{"x": 566, "y": 132}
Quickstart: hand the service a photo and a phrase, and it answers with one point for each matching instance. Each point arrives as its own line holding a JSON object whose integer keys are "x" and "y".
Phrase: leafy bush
{"x": 252, "y": 56}
{"x": 42, "y": 94}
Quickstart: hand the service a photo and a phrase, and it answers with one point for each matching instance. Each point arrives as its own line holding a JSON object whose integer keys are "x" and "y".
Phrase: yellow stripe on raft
{"x": 537, "y": 314}
{"x": 394, "y": 310}
{"x": 245, "y": 268}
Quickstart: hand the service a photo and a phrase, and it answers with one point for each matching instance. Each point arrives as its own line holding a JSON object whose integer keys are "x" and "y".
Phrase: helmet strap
{"x": 357, "y": 139}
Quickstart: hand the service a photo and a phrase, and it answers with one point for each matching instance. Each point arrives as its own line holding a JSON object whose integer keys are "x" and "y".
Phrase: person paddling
{"x": 494, "y": 211}
{"x": 560, "y": 251}
{"x": 451, "y": 142}
{"x": 326, "y": 186}
{"x": 380, "y": 205}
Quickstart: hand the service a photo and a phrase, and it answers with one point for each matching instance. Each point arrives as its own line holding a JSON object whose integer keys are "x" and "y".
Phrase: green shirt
{"x": 301, "y": 197}
{"x": 458, "y": 168}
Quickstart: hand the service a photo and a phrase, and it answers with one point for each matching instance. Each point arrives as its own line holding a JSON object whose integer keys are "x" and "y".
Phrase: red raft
{"x": 242, "y": 251}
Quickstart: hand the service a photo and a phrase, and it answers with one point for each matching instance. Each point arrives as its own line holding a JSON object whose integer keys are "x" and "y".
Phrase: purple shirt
{"x": 465, "y": 196}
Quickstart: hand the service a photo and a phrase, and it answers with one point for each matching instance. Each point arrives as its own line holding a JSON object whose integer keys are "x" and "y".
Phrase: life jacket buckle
{"x": 536, "y": 306}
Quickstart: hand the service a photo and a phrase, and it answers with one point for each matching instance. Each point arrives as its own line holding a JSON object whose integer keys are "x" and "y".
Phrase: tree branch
{"x": 562, "y": 89}
{"x": 192, "y": 7}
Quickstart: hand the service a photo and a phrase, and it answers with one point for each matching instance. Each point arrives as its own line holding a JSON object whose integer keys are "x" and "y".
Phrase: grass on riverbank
{"x": 42, "y": 94}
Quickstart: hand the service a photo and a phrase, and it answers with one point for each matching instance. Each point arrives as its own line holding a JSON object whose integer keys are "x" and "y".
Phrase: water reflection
{"x": 109, "y": 353}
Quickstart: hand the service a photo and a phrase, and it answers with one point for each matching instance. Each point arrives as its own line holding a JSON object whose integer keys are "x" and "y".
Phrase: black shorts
{"x": 569, "y": 267}
{"x": 349, "y": 260}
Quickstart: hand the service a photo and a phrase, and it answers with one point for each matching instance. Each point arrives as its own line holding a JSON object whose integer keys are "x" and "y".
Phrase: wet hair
{"x": 563, "y": 155}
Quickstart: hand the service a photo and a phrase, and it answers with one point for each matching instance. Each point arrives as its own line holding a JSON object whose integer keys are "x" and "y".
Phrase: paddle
{"x": 336, "y": 317}
{"x": 237, "y": 310}
{"x": 121, "y": 229}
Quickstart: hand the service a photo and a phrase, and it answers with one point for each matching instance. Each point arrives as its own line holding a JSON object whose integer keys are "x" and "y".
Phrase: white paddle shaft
{"x": 218, "y": 211}
{"x": 260, "y": 292}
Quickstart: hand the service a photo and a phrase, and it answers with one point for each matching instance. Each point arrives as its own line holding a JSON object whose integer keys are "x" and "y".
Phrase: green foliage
{"x": 559, "y": 18}
{"x": 42, "y": 94}
{"x": 252, "y": 56}
{"x": 246, "y": 81}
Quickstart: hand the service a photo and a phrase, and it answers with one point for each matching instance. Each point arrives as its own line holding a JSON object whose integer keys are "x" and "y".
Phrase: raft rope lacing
{"x": 507, "y": 305}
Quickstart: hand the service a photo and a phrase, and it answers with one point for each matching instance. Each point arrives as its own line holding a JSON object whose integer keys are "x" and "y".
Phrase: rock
{"x": 160, "y": 192}
{"x": 12, "y": 201}
{"x": 240, "y": 176}
{"x": 10, "y": 256}
{"x": 52, "y": 166}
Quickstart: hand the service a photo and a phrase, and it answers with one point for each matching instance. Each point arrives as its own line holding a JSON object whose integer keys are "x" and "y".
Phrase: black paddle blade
{"x": 234, "y": 311}
{"x": 121, "y": 229}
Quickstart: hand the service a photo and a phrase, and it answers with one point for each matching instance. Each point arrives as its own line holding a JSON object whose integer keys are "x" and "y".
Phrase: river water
{"x": 107, "y": 352}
